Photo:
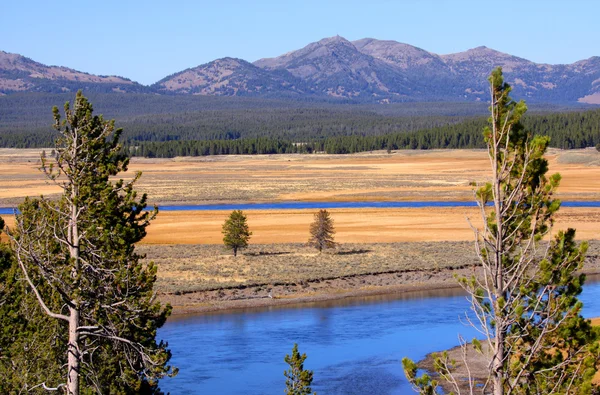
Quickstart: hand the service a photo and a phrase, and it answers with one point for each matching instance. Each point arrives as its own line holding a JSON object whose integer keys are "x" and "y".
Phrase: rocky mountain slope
{"x": 366, "y": 70}
{"x": 230, "y": 77}
{"x": 18, "y": 74}
{"x": 416, "y": 74}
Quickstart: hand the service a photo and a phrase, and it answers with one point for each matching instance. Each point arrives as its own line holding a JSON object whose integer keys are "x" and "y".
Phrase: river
{"x": 354, "y": 346}
{"x": 327, "y": 205}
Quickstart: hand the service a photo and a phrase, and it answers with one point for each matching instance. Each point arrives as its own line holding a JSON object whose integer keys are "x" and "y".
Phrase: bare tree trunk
{"x": 73, "y": 353}
{"x": 497, "y": 368}
{"x": 497, "y": 265}
{"x": 74, "y": 357}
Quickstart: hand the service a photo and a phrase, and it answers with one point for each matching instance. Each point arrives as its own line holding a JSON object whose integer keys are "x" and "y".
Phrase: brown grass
{"x": 188, "y": 268}
{"x": 404, "y": 175}
{"x": 352, "y": 225}
{"x": 201, "y": 267}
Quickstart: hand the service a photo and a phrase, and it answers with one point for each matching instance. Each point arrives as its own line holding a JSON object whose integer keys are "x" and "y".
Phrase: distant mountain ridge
{"x": 366, "y": 70}
{"x": 21, "y": 74}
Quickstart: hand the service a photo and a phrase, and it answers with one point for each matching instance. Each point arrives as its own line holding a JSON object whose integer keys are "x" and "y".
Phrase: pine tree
{"x": 298, "y": 380}
{"x": 236, "y": 232}
{"x": 78, "y": 257}
{"x": 524, "y": 298}
{"x": 321, "y": 231}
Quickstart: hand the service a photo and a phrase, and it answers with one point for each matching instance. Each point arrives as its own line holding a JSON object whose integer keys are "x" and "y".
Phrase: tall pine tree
{"x": 524, "y": 296}
{"x": 78, "y": 257}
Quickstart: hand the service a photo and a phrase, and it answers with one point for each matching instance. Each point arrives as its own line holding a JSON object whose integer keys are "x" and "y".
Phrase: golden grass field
{"x": 186, "y": 245}
{"x": 403, "y": 175}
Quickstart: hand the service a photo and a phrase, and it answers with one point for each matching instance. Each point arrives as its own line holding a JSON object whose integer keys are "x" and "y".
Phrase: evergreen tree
{"x": 236, "y": 232}
{"x": 321, "y": 231}
{"x": 29, "y": 344}
{"x": 78, "y": 258}
{"x": 298, "y": 380}
{"x": 524, "y": 296}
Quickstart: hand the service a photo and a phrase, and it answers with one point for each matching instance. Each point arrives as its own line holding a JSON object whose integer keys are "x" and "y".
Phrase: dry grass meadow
{"x": 186, "y": 245}
{"x": 403, "y": 175}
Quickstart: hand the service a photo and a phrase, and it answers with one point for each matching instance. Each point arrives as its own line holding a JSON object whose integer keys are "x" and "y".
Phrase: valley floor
{"x": 381, "y": 250}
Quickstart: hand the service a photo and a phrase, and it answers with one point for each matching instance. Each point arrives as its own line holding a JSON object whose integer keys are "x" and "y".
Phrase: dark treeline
{"x": 566, "y": 130}
{"x": 173, "y": 125}
{"x": 26, "y": 118}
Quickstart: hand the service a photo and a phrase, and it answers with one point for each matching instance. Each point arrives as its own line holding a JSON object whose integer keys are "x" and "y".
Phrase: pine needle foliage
{"x": 298, "y": 380}
{"x": 77, "y": 255}
{"x": 321, "y": 231}
{"x": 524, "y": 293}
{"x": 236, "y": 233}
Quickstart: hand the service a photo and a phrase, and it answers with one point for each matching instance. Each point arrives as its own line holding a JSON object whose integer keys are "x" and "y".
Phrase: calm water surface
{"x": 324, "y": 205}
{"x": 354, "y": 346}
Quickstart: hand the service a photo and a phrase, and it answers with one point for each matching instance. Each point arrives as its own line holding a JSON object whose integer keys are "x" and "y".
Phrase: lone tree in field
{"x": 235, "y": 231}
{"x": 298, "y": 380}
{"x": 78, "y": 259}
{"x": 321, "y": 231}
{"x": 524, "y": 298}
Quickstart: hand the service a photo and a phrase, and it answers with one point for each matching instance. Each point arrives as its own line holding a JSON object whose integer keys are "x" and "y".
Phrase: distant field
{"x": 186, "y": 245}
{"x": 404, "y": 175}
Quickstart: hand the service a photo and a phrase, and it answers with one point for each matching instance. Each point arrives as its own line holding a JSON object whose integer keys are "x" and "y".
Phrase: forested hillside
{"x": 566, "y": 131}
{"x": 26, "y": 119}
{"x": 168, "y": 126}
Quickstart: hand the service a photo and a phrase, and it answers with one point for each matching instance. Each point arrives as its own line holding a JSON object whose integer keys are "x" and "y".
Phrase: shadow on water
{"x": 354, "y": 345}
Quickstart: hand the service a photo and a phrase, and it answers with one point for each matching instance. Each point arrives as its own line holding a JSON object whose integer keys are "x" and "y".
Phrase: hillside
{"x": 21, "y": 74}
{"x": 337, "y": 70}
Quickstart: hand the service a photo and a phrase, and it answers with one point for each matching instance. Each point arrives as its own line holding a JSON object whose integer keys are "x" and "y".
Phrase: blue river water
{"x": 354, "y": 346}
{"x": 327, "y": 205}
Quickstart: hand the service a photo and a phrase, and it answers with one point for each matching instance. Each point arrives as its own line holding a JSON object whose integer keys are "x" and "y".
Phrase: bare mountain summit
{"x": 335, "y": 67}
{"x": 393, "y": 71}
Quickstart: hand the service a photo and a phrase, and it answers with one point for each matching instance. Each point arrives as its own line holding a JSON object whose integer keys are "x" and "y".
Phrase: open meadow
{"x": 385, "y": 242}
{"x": 377, "y": 176}
{"x": 440, "y": 175}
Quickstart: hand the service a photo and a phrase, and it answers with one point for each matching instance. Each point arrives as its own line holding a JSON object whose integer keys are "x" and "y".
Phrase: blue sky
{"x": 148, "y": 40}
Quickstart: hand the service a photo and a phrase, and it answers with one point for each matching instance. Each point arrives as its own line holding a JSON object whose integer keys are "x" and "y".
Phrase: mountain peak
{"x": 332, "y": 40}
{"x": 396, "y": 53}
{"x": 363, "y": 70}
{"x": 227, "y": 77}
{"x": 321, "y": 49}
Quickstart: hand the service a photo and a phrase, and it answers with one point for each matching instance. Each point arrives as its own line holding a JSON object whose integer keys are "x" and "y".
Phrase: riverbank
{"x": 333, "y": 289}
{"x": 204, "y": 278}
{"x": 477, "y": 365}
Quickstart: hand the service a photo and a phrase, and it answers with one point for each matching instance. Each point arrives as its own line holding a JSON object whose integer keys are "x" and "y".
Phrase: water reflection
{"x": 354, "y": 345}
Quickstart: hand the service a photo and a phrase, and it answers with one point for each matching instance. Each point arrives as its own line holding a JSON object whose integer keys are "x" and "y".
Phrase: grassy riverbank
{"x": 196, "y": 278}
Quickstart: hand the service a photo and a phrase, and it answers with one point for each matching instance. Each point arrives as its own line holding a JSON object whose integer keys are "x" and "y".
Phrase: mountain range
{"x": 366, "y": 70}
